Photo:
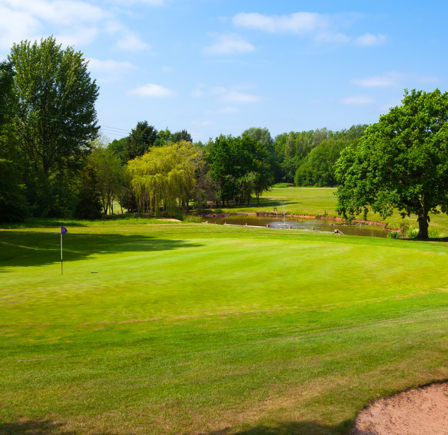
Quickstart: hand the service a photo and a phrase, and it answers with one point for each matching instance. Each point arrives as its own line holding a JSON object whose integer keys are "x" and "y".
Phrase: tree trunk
{"x": 258, "y": 200}
{"x": 188, "y": 205}
{"x": 423, "y": 225}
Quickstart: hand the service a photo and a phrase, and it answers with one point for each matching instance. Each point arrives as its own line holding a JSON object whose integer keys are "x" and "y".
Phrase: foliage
{"x": 116, "y": 147}
{"x": 13, "y": 203}
{"x": 110, "y": 176}
{"x": 53, "y": 121}
{"x": 89, "y": 206}
{"x": 240, "y": 166}
{"x": 164, "y": 174}
{"x": 393, "y": 235}
{"x": 400, "y": 163}
{"x": 317, "y": 169}
{"x": 180, "y": 136}
{"x": 140, "y": 140}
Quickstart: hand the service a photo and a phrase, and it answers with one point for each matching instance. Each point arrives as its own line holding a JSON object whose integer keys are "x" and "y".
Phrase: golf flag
{"x": 63, "y": 231}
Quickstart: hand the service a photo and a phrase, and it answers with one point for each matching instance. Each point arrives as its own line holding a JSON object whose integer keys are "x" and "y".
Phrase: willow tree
{"x": 165, "y": 174}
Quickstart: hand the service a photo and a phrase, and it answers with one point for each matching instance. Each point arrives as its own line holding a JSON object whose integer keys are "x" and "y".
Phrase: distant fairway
{"x": 318, "y": 200}
{"x": 196, "y": 329}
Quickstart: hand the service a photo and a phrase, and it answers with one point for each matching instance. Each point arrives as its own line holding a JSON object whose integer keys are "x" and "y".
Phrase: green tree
{"x": 165, "y": 174}
{"x": 89, "y": 205}
{"x": 182, "y": 135}
{"x": 140, "y": 140}
{"x": 401, "y": 162}
{"x": 53, "y": 104}
{"x": 52, "y": 115}
{"x": 110, "y": 176}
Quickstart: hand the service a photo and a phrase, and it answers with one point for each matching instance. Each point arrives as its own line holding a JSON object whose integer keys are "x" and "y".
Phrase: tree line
{"x": 54, "y": 162}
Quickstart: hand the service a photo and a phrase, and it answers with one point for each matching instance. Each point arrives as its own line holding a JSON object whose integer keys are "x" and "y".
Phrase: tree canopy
{"x": 401, "y": 162}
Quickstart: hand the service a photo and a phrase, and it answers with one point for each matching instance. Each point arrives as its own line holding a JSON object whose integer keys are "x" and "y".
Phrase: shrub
{"x": 394, "y": 235}
{"x": 192, "y": 219}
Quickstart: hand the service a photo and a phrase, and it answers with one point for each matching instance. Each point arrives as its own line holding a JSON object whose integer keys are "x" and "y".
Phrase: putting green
{"x": 190, "y": 328}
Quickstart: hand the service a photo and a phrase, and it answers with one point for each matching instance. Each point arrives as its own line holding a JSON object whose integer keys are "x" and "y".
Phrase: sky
{"x": 221, "y": 66}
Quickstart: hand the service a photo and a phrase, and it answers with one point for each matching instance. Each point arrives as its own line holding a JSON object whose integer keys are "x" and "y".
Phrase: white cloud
{"x": 231, "y": 96}
{"x": 197, "y": 93}
{"x": 321, "y": 28}
{"x": 229, "y": 44}
{"x": 131, "y": 42}
{"x": 203, "y": 123}
{"x": 110, "y": 70}
{"x": 298, "y": 23}
{"x": 26, "y": 19}
{"x": 369, "y": 39}
{"x": 73, "y": 22}
{"x": 152, "y": 91}
{"x": 392, "y": 79}
{"x": 145, "y": 2}
{"x": 238, "y": 97}
{"x": 357, "y": 100}
{"x": 224, "y": 110}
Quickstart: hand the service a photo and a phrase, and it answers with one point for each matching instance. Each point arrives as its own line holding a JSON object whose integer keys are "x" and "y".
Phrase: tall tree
{"x": 182, "y": 135}
{"x": 53, "y": 105}
{"x": 401, "y": 163}
{"x": 141, "y": 138}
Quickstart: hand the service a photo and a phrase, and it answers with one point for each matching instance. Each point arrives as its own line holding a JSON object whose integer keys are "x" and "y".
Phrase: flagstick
{"x": 62, "y": 267}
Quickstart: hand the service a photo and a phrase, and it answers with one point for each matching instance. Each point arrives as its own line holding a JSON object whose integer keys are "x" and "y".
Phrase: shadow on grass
{"x": 23, "y": 249}
{"x": 290, "y": 428}
{"x": 45, "y": 427}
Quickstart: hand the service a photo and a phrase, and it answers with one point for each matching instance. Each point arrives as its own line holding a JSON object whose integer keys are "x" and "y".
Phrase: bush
{"x": 193, "y": 220}
{"x": 394, "y": 235}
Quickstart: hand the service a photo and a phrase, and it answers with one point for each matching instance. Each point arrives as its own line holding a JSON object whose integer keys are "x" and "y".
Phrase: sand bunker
{"x": 423, "y": 411}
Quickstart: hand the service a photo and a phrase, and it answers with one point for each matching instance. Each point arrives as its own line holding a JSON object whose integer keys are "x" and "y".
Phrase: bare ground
{"x": 422, "y": 411}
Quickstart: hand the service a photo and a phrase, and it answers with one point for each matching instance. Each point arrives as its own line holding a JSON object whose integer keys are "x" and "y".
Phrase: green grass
{"x": 318, "y": 200}
{"x": 203, "y": 329}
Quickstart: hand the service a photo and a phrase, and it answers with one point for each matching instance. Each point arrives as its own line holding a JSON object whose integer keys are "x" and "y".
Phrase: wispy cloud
{"x": 321, "y": 28}
{"x": 152, "y": 91}
{"x": 392, "y": 79}
{"x": 110, "y": 70}
{"x": 229, "y": 96}
{"x": 369, "y": 39}
{"x": 231, "y": 43}
{"x": 145, "y": 2}
{"x": 131, "y": 42}
{"x": 357, "y": 100}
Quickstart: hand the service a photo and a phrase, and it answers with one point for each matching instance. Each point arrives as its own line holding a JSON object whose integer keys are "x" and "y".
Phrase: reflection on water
{"x": 317, "y": 224}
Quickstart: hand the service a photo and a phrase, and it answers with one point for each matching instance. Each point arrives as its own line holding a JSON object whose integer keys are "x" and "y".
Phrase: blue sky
{"x": 222, "y": 66}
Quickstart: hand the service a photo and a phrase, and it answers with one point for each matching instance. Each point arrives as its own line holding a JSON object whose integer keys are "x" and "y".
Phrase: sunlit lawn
{"x": 188, "y": 329}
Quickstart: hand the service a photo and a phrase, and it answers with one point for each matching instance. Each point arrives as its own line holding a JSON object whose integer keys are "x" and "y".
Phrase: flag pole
{"x": 62, "y": 267}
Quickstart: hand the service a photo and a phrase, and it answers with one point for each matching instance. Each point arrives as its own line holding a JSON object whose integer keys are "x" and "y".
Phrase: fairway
{"x": 204, "y": 329}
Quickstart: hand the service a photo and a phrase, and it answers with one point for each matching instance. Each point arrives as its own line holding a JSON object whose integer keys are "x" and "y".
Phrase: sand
{"x": 423, "y": 411}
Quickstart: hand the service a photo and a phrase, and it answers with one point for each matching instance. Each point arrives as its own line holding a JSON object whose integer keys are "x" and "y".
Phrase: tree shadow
{"x": 41, "y": 427}
{"x": 289, "y": 428}
{"x": 30, "y": 249}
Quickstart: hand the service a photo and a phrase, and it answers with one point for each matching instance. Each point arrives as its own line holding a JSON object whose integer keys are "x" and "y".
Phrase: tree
{"x": 400, "y": 163}
{"x": 231, "y": 159}
{"x": 317, "y": 169}
{"x": 181, "y": 136}
{"x": 52, "y": 104}
{"x": 89, "y": 206}
{"x": 141, "y": 138}
{"x": 165, "y": 174}
{"x": 110, "y": 176}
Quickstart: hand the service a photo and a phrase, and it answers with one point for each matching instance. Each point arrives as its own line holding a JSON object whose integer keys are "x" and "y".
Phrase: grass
{"x": 320, "y": 200}
{"x": 203, "y": 329}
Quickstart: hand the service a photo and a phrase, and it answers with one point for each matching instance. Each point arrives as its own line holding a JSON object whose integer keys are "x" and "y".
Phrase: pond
{"x": 305, "y": 224}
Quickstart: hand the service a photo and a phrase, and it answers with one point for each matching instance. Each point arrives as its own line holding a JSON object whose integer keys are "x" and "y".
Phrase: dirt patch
{"x": 422, "y": 411}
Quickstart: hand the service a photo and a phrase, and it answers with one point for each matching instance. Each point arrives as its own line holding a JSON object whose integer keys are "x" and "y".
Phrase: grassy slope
{"x": 195, "y": 328}
{"x": 317, "y": 201}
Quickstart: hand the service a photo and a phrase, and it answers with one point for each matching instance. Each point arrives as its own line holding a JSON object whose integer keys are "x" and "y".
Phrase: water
{"x": 305, "y": 224}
